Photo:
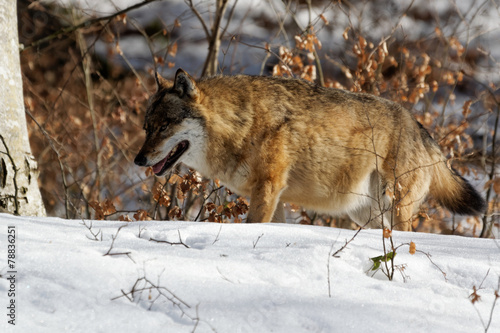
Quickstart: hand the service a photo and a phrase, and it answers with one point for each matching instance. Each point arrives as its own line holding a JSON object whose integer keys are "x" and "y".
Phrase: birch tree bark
{"x": 19, "y": 192}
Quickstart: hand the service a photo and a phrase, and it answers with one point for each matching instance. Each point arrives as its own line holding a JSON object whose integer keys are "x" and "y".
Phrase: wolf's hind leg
{"x": 403, "y": 217}
{"x": 366, "y": 217}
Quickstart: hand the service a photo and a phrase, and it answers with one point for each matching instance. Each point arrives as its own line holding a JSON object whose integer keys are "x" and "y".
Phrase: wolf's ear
{"x": 162, "y": 82}
{"x": 184, "y": 85}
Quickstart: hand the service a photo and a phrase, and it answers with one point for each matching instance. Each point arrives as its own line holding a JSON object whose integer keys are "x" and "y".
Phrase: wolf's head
{"x": 173, "y": 124}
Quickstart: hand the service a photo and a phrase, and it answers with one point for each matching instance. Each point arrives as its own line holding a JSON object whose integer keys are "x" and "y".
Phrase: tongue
{"x": 158, "y": 166}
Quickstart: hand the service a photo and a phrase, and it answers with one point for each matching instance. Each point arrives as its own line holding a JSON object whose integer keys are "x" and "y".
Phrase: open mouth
{"x": 172, "y": 157}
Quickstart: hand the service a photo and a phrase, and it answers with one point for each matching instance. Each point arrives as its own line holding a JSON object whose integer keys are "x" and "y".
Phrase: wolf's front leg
{"x": 269, "y": 178}
{"x": 264, "y": 201}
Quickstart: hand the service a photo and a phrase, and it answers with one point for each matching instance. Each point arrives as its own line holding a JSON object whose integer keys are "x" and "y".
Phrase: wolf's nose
{"x": 140, "y": 160}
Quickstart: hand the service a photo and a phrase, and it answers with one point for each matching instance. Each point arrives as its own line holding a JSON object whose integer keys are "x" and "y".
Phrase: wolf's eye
{"x": 163, "y": 128}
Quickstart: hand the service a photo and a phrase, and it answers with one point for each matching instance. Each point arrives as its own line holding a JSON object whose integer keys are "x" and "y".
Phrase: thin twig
{"x": 205, "y": 200}
{"x": 180, "y": 242}
{"x": 61, "y": 166}
{"x": 89, "y": 88}
{"x": 94, "y": 234}
{"x": 149, "y": 286}
{"x": 198, "y": 15}
{"x": 258, "y": 238}
{"x": 217, "y": 237}
{"x": 486, "y": 227}
{"x": 428, "y": 257}
{"x": 497, "y": 296}
{"x": 114, "y": 237}
{"x": 328, "y": 269}
{"x": 347, "y": 242}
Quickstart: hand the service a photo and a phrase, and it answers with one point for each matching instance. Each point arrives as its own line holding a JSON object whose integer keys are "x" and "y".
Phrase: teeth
{"x": 173, "y": 150}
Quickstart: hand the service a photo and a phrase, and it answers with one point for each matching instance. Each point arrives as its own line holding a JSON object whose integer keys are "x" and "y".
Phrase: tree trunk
{"x": 211, "y": 63}
{"x": 19, "y": 192}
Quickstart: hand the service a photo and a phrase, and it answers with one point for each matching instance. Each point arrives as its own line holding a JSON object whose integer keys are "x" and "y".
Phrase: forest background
{"x": 88, "y": 71}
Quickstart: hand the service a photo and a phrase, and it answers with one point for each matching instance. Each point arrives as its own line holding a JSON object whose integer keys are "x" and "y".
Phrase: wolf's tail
{"x": 453, "y": 191}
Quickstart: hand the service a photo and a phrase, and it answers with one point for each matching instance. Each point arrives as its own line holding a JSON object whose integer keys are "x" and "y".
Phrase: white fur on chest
{"x": 196, "y": 155}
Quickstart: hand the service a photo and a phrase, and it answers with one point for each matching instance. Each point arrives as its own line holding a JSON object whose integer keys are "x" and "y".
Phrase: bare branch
{"x": 210, "y": 66}
{"x": 85, "y": 24}
{"x": 180, "y": 242}
{"x": 114, "y": 237}
{"x": 198, "y": 15}
{"x": 258, "y": 239}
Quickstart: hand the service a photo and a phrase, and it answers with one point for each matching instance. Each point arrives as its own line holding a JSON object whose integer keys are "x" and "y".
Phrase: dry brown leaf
{"x": 413, "y": 248}
{"x": 346, "y": 33}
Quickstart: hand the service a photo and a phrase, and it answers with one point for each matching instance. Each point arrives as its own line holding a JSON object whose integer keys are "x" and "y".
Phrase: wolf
{"x": 280, "y": 140}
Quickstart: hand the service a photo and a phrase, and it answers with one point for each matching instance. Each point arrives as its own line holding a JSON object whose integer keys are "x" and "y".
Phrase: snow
{"x": 240, "y": 278}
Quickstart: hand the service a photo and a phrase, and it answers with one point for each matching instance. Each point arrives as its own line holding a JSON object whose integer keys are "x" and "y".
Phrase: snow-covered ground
{"x": 238, "y": 278}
